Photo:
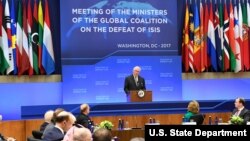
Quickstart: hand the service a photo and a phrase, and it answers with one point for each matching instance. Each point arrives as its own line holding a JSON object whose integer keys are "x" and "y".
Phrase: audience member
{"x": 82, "y": 134}
{"x": 240, "y": 110}
{"x": 192, "y": 109}
{"x": 102, "y": 134}
{"x": 47, "y": 119}
{"x": 52, "y": 124}
{"x": 83, "y": 118}
{"x": 70, "y": 132}
{"x": 137, "y": 139}
{"x": 63, "y": 122}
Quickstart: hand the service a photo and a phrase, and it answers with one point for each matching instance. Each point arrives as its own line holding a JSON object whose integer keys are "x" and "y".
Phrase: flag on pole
{"x": 7, "y": 25}
{"x": 4, "y": 51}
{"x": 197, "y": 40}
{"x": 226, "y": 48}
{"x": 13, "y": 34}
{"x": 29, "y": 26}
{"x": 205, "y": 53}
{"x": 40, "y": 35}
{"x": 219, "y": 37}
{"x": 185, "y": 40}
{"x": 211, "y": 40}
{"x": 202, "y": 33}
{"x": 232, "y": 52}
{"x": 240, "y": 23}
{"x": 248, "y": 23}
{"x": 238, "y": 65}
{"x": 48, "y": 60}
{"x": 25, "y": 55}
{"x": 245, "y": 38}
{"x": 34, "y": 39}
{"x": 19, "y": 37}
{"x": 191, "y": 39}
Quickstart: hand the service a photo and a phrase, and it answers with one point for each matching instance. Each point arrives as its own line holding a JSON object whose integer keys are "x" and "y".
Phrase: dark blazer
{"x": 53, "y": 134}
{"x": 244, "y": 114}
{"x": 130, "y": 84}
{"x": 83, "y": 120}
{"x": 43, "y": 126}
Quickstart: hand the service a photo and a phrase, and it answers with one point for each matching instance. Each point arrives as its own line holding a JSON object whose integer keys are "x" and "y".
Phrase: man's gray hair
{"x": 137, "y": 139}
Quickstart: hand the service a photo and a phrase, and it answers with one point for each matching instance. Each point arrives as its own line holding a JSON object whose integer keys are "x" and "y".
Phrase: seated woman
{"x": 193, "y": 109}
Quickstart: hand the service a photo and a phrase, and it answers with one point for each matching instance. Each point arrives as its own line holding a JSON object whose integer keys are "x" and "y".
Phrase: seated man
{"x": 83, "y": 119}
{"x": 82, "y": 134}
{"x": 47, "y": 119}
{"x": 52, "y": 124}
{"x": 64, "y": 122}
{"x": 102, "y": 134}
{"x": 240, "y": 110}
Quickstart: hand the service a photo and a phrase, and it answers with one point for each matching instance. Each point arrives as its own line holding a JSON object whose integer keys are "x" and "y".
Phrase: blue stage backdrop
{"x": 102, "y": 40}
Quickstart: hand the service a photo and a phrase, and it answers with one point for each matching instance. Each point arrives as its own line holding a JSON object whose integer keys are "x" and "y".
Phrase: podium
{"x": 139, "y": 96}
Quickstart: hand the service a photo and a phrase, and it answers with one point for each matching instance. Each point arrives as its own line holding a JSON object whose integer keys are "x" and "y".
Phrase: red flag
{"x": 29, "y": 26}
{"x": 245, "y": 38}
{"x": 205, "y": 53}
{"x": 232, "y": 39}
{"x": 185, "y": 41}
{"x": 25, "y": 55}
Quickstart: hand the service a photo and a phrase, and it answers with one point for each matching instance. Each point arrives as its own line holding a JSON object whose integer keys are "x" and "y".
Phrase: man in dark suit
{"x": 83, "y": 119}
{"x": 47, "y": 119}
{"x": 240, "y": 110}
{"x": 64, "y": 122}
{"x": 134, "y": 81}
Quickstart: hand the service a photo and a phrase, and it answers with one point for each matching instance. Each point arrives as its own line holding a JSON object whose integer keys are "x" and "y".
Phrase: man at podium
{"x": 134, "y": 81}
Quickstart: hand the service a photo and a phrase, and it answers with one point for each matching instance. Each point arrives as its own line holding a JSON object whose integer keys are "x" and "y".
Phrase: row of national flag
{"x": 216, "y": 36}
{"x": 25, "y": 38}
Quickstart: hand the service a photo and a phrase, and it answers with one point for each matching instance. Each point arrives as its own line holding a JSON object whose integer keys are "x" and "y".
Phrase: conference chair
{"x": 37, "y": 134}
{"x": 33, "y": 139}
{"x": 198, "y": 118}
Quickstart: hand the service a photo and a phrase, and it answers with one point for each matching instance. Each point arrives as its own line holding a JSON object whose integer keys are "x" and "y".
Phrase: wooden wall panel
{"x": 32, "y": 125}
{"x": 15, "y": 129}
{"x": 23, "y": 128}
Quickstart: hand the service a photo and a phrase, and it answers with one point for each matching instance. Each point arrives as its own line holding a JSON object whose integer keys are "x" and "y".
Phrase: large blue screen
{"x": 94, "y": 29}
{"x": 102, "y": 40}
{"x": 103, "y": 82}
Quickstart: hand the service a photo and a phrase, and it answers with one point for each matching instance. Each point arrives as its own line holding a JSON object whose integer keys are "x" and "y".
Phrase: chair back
{"x": 198, "y": 118}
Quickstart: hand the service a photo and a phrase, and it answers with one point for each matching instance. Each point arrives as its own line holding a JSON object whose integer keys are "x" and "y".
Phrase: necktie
{"x": 136, "y": 81}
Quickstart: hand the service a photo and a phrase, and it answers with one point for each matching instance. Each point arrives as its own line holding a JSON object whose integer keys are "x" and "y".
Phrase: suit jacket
{"x": 53, "y": 134}
{"x": 43, "y": 126}
{"x": 244, "y": 114}
{"x": 131, "y": 85}
{"x": 83, "y": 120}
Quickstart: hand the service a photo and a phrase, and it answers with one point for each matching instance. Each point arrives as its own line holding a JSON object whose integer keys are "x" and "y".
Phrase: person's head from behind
{"x": 239, "y": 103}
{"x": 136, "y": 70}
{"x": 56, "y": 112}
{"x": 82, "y": 134}
{"x": 48, "y": 116}
{"x": 65, "y": 120}
{"x": 102, "y": 134}
{"x": 137, "y": 139}
{"x": 85, "y": 109}
{"x": 193, "y": 107}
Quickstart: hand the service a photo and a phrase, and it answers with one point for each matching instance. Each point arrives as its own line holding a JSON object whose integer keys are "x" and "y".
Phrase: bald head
{"x": 137, "y": 139}
{"x": 82, "y": 134}
{"x": 102, "y": 134}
